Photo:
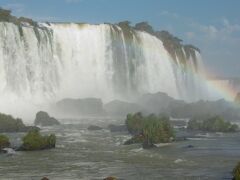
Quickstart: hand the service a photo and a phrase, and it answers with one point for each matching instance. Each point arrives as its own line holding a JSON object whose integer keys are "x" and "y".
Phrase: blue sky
{"x": 211, "y": 25}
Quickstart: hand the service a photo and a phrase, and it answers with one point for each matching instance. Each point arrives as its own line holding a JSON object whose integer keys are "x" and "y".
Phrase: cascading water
{"x": 56, "y": 61}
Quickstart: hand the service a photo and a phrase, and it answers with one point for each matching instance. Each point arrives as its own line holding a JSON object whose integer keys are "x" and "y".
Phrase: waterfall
{"x": 40, "y": 65}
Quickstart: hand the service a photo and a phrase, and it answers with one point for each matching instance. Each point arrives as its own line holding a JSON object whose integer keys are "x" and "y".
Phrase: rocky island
{"x": 34, "y": 141}
{"x": 43, "y": 119}
{"x": 149, "y": 130}
{"x": 211, "y": 124}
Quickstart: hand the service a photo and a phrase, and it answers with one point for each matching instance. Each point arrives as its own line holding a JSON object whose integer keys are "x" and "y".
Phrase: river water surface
{"x": 84, "y": 154}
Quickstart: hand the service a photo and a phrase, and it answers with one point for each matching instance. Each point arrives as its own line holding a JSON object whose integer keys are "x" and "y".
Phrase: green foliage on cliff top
{"x": 35, "y": 141}
{"x": 212, "y": 124}
{"x": 172, "y": 44}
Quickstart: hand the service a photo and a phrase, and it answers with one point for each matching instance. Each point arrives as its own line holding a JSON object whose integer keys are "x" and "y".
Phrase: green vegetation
{"x": 35, "y": 141}
{"x": 144, "y": 26}
{"x": 110, "y": 178}
{"x": 212, "y": 124}
{"x": 236, "y": 172}
{"x": 6, "y": 16}
{"x": 151, "y": 129}
{"x": 9, "y": 124}
{"x": 4, "y": 142}
{"x": 128, "y": 31}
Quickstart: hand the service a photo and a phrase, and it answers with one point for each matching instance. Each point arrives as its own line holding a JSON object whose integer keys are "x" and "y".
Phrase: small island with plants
{"x": 212, "y": 124}
{"x": 4, "y": 143}
{"x": 34, "y": 141}
{"x": 149, "y": 130}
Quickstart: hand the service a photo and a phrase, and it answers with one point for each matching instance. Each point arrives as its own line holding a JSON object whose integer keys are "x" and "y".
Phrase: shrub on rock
{"x": 149, "y": 129}
{"x": 4, "y": 142}
{"x": 236, "y": 172}
{"x": 212, "y": 124}
{"x": 35, "y": 141}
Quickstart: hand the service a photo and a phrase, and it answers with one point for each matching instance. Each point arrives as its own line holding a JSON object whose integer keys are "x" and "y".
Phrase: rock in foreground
{"x": 117, "y": 128}
{"x": 43, "y": 119}
{"x": 94, "y": 128}
{"x": 35, "y": 141}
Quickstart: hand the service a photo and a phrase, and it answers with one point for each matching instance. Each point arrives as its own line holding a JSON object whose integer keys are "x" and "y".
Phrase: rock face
{"x": 34, "y": 141}
{"x": 4, "y": 143}
{"x": 148, "y": 145}
{"x": 10, "y": 124}
{"x": 43, "y": 119}
{"x": 81, "y": 107}
{"x": 110, "y": 178}
{"x": 94, "y": 128}
{"x": 135, "y": 139}
{"x": 156, "y": 103}
{"x": 117, "y": 128}
{"x": 161, "y": 103}
{"x": 121, "y": 108}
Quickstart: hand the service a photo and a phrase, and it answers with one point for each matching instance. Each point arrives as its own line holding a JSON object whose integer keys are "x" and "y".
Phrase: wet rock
{"x": 148, "y": 145}
{"x": 135, "y": 140}
{"x": 117, "y": 128}
{"x": 44, "y": 178}
{"x": 177, "y": 139}
{"x": 110, "y": 178}
{"x": 190, "y": 146}
{"x": 43, "y": 119}
{"x": 94, "y": 128}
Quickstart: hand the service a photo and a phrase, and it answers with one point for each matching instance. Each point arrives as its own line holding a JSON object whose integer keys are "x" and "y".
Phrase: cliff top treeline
{"x": 179, "y": 52}
{"x": 6, "y": 16}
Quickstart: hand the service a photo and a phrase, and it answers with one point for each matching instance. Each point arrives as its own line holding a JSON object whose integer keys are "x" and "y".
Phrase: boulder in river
{"x": 110, "y": 178}
{"x": 94, "y": 128}
{"x": 43, "y": 119}
{"x": 117, "y": 128}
